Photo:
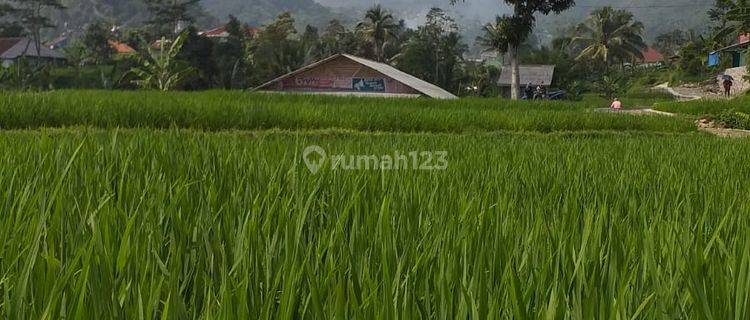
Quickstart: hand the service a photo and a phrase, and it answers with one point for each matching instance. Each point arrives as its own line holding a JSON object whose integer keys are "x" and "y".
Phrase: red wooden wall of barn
{"x": 337, "y": 76}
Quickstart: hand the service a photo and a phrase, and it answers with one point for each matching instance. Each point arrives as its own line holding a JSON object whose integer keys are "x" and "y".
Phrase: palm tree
{"x": 736, "y": 19}
{"x": 610, "y": 35}
{"x": 378, "y": 27}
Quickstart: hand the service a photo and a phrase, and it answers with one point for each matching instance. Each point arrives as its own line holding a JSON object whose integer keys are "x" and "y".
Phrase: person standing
{"x": 538, "y": 93}
{"x": 728, "y": 87}
{"x": 529, "y": 91}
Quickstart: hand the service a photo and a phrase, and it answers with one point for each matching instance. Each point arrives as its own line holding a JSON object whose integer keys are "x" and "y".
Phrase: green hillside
{"x": 134, "y": 12}
{"x": 658, "y": 16}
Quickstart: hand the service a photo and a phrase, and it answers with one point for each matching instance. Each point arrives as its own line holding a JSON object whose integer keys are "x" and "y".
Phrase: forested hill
{"x": 258, "y": 12}
{"x": 659, "y": 16}
{"x": 134, "y": 12}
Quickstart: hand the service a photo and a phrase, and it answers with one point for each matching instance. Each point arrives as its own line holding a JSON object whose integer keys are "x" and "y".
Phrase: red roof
{"x": 120, "y": 47}
{"x": 652, "y": 55}
{"x": 7, "y": 43}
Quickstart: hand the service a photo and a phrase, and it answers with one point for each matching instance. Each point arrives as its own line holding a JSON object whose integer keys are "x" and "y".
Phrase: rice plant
{"x": 706, "y": 107}
{"x": 144, "y": 224}
{"x": 219, "y": 110}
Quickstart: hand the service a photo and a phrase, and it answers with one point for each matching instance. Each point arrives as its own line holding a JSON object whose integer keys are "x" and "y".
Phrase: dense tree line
{"x": 591, "y": 55}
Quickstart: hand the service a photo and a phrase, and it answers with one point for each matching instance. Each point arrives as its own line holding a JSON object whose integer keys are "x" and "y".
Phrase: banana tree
{"x": 159, "y": 69}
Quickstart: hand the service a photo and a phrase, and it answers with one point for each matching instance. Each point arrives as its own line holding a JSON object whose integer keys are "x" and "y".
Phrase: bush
{"x": 734, "y": 119}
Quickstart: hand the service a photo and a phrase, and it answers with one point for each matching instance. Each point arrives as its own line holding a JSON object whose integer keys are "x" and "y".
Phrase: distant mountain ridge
{"x": 659, "y": 16}
{"x": 134, "y": 12}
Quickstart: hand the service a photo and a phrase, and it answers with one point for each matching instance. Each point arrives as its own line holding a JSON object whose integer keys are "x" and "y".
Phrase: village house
{"x": 738, "y": 67}
{"x": 222, "y": 33}
{"x": 534, "y": 75}
{"x": 218, "y": 33}
{"x": 651, "y": 58}
{"x": 121, "y": 49}
{"x": 13, "y": 49}
{"x": 344, "y": 74}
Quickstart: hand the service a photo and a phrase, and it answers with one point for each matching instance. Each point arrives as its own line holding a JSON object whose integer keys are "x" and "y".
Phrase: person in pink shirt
{"x": 617, "y": 105}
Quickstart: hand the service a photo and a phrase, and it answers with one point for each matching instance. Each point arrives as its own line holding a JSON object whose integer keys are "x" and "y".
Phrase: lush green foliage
{"x": 220, "y": 110}
{"x": 435, "y": 52}
{"x": 733, "y": 113}
{"x": 171, "y": 225}
{"x": 706, "y": 107}
{"x": 609, "y": 36}
{"x": 734, "y": 119}
{"x": 630, "y": 100}
{"x": 160, "y": 69}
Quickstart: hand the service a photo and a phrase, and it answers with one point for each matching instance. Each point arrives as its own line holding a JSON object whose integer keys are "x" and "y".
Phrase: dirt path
{"x": 638, "y": 112}
{"x": 680, "y": 94}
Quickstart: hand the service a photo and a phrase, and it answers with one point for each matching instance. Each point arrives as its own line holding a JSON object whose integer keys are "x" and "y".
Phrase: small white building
{"x": 534, "y": 75}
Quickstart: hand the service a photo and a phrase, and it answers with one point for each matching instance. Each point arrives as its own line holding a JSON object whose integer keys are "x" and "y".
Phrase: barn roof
{"x": 12, "y": 48}
{"x": 424, "y": 87}
{"x": 534, "y": 74}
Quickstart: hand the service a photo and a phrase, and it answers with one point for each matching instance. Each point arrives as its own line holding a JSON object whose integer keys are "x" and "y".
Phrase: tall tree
{"x": 737, "y": 19}
{"x": 718, "y": 14}
{"x": 277, "y": 51}
{"x": 378, "y": 26}
{"x": 523, "y": 20}
{"x": 229, "y": 55}
{"x": 199, "y": 52}
{"x": 9, "y": 27}
{"x": 442, "y": 30}
{"x": 670, "y": 42}
{"x": 33, "y": 16}
{"x": 95, "y": 42}
{"x": 336, "y": 38}
{"x": 168, "y": 15}
{"x": 505, "y": 35}
{"x": 311, "y": 44}
{"x": 434, "y": 51}
{"x": 610, "y": 35}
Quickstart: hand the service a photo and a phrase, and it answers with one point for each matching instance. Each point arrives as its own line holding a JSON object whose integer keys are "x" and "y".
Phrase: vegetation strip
{"x": 220, "y": 110}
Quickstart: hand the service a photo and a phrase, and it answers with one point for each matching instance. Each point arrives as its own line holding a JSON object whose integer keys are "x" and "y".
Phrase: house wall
{"x": 33, "y": 60}
{"x": 342, "y": 75}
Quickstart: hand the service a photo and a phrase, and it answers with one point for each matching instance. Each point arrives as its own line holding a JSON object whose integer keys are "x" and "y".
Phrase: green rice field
{"x": 169, "y": 206}
{"x": 706, "y": 107}
{"x": 220, "y": 110}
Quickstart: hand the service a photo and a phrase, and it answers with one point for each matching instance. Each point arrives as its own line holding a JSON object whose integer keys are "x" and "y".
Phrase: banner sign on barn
{"x": 368, "y": 85}
{"x": 310, "y": 82}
